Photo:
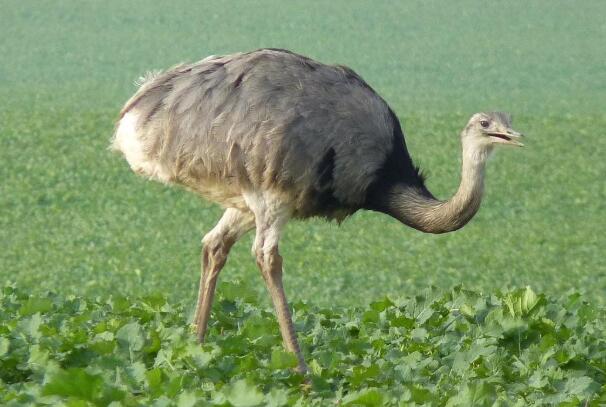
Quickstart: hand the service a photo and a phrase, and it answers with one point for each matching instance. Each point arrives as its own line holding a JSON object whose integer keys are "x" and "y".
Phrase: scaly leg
{"x": 270, "y": 220}
{"x": 272, "y": 274}
{"x": 216, "y": 245}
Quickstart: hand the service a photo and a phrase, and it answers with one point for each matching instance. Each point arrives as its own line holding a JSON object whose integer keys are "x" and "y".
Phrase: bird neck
{"x": 418, "y": 208}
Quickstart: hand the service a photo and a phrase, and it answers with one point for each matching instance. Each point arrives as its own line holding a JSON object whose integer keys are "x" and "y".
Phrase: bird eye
{"x": 484, "y": 123}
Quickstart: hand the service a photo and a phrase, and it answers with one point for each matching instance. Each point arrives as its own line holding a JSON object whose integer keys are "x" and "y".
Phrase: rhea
{"x": 271, "y": 135}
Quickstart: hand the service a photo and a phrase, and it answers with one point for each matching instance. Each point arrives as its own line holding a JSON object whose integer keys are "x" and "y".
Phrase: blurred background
{"x": 75, "y": 219}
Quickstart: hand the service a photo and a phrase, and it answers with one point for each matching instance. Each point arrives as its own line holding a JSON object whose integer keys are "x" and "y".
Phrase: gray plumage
{"x": 268, "y": 119}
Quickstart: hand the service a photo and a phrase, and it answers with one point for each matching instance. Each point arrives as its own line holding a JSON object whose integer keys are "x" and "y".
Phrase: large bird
{"x": 271, "y": 135}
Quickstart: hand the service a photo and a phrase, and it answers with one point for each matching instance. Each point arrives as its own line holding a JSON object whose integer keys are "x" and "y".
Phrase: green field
{"x": 75, "y": 220}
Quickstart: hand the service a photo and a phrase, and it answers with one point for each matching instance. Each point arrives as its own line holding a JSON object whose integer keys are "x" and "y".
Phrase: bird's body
{"x": 316, "y": 134}
{"x": 272, "y": 135}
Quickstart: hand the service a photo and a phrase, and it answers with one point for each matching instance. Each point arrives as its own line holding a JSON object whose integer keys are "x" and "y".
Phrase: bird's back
{"x": 269, "y": 120}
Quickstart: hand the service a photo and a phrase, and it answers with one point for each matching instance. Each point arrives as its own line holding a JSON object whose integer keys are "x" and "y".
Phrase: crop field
{"x": 100, "y": 268}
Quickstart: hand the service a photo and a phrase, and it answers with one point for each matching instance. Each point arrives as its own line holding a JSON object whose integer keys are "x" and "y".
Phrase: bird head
{"x": 485, "y": 130}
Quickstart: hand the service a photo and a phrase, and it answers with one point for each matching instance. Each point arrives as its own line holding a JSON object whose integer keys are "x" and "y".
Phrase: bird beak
{"x": 508, "y": 136}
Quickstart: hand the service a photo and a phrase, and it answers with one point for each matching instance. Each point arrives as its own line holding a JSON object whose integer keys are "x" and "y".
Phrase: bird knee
{"x": 215, "y": 250}
{"x": 269, "y": 261}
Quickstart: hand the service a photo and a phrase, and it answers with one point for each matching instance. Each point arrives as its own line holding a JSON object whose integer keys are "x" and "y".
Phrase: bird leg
{"x": 215, "y": 248}
{"x": 269, "y": 223}
{"x": 271, "y": 269}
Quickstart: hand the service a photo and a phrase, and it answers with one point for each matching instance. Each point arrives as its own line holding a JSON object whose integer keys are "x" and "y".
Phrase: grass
{"x": 74, "y": 219}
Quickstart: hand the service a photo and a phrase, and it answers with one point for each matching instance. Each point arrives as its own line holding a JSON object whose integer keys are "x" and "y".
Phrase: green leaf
{"x": 156, "y": 300}
{"x": 131, "y": 336}
{"x": 366, "y": 397}
{"x": 362, "y": 374}
{"x": 402, "y": 321}
{"x": 35, "y": 304}
{"x": 4, "y": 346}
{"x": 419, "y": 334}
{"x": 38, "y": 357}
{"x": 187, "y": 399}
{"x": 234, "y": 290}
{"x": 281, "y": 359}
{"x": 74, "y": 382}
{"x": 466, "y": 310}
{"x": 529, "y": 300}
{"x": 472, "y": 394}
{"x": 31, "y": 325}
{"x": 119, "y": 304}
{"x": 154, "y": 380}
{"x": 243, "y": 394}
{"x": 111, "y": 393}
{"x": 136, "y": 371}
{"x": 382, "y": 304}
{"x": 538, "y": 380}
{"x": 164, "y": 358}
{"x": 521, "y": 302}
{"x": 197, "y": 355}
{"x": 315, "y": 367}
{"x": 419, "y": 394}
{"x": 103, "y": 343}
{"x": 580, "y": 386}
{"x": 370, "y": 316}
{"x": 276, "y": 398}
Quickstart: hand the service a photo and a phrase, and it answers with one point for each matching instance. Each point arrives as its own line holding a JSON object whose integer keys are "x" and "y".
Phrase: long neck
{"x": 418, "y": 208}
